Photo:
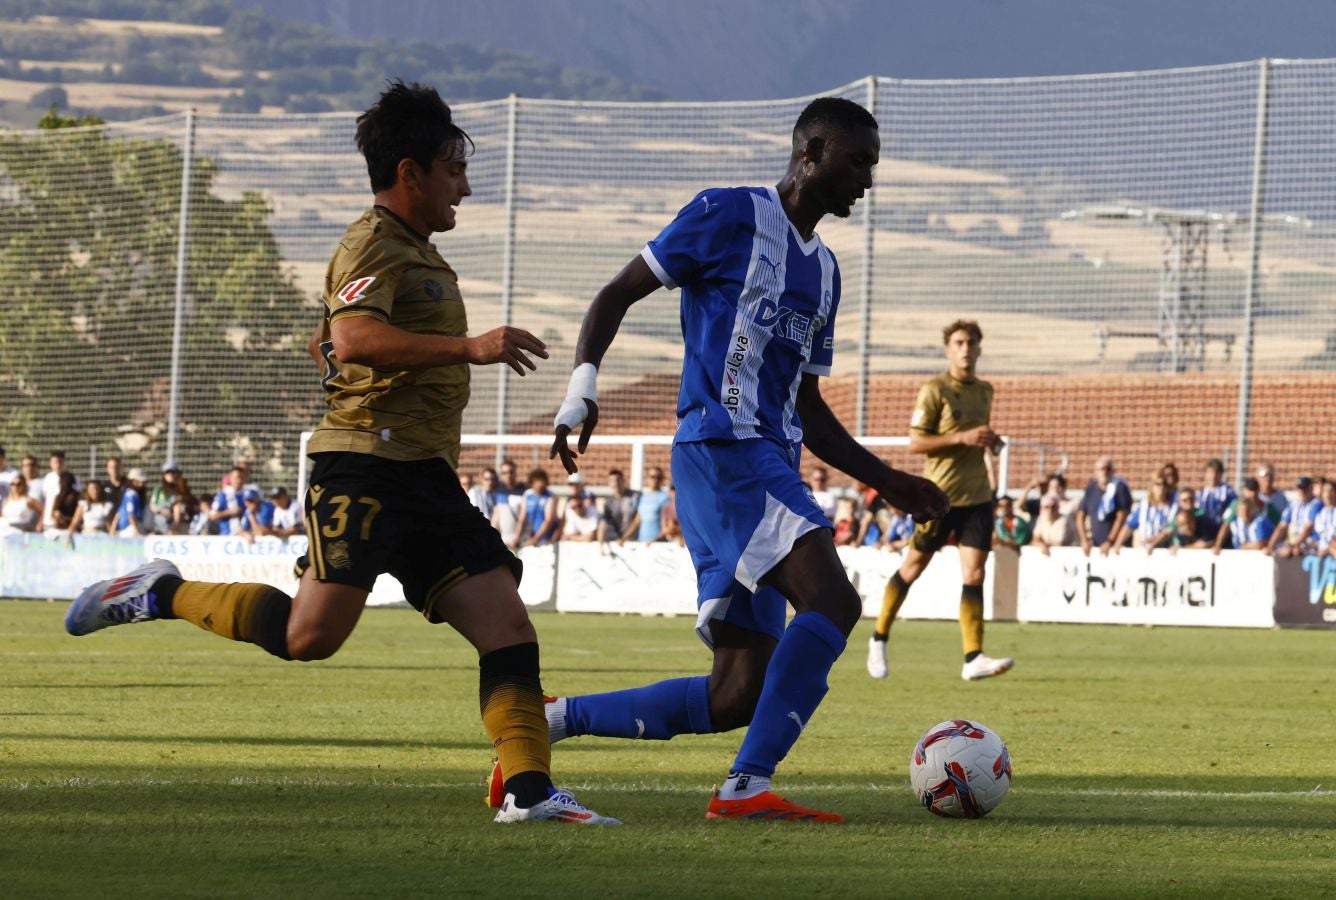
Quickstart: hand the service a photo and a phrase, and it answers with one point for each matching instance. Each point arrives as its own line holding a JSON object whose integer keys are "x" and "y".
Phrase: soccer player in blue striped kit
{"x": 759, "y": 295}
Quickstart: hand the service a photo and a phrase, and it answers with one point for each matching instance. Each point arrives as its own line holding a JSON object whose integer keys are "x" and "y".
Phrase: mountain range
{"x": 744, "y": 49}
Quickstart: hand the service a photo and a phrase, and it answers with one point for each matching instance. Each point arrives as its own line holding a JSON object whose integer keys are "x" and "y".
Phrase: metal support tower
{"x": 1180, "y": 321}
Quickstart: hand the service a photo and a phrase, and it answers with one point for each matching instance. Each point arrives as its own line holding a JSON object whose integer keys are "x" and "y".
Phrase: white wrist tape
{"x": 583, "y": 386}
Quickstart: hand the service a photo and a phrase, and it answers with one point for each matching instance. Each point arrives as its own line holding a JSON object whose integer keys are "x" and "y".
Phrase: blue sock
{"x": 795, "y": 682}
{"x": 655, "y": 712}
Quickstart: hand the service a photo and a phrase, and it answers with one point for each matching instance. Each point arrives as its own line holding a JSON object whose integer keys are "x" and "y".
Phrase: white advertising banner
{"x": 271, "y": 560}
{"x": 658, "y": 579}
{"x": 1235, "y": 588}
{"x": 266, "y": 559}
{"x": 936, "y": 594}
{"x": 538, "y": 587}
{"x": 650, "y": 579}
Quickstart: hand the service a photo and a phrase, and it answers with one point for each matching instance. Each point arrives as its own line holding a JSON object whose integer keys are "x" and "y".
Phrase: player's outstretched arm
{"x": 580, "y": 408}
{"x": 369, "y": 341}
{"x": 825, "y": 436}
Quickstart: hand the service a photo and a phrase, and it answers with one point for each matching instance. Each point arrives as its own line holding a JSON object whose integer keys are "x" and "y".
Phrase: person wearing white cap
{"x": 578, "y": 489}
{"x": 130, "y": 514}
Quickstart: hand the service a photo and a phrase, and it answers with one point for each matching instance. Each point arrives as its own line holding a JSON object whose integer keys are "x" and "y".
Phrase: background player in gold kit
{"x": 950, "y": 427}
{"x": 384, "y": 495}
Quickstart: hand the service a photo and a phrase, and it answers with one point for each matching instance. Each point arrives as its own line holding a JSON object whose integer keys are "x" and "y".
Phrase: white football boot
{"x": 876, "y": 658}
{"x": 985, "y": 667}
{"x": 560, "y": 807}
{"x": 118, "y": 601}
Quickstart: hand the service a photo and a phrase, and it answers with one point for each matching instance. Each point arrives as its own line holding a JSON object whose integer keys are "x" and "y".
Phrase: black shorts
{"x": 366, "y": 516}
{"x": 972, "y": 526}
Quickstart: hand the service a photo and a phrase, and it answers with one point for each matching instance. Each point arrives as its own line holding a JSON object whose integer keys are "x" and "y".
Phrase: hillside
{"x": 747, "y": 49}
{"x": 124, "y": 59}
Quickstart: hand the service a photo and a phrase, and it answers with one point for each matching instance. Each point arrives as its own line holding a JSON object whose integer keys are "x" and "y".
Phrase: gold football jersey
{"x": 383, "y": 268}
{"x": 946, "y": 406}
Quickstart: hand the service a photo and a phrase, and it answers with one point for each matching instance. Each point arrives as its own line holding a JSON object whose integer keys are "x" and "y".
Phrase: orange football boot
{"x": 767, "y": 806}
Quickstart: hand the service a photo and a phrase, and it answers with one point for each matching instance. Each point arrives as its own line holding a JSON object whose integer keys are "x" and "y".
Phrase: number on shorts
{"x": 338, "y": 517}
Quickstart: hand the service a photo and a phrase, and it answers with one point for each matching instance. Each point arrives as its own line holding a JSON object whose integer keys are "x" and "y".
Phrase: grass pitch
{"x": 158, "y": 761}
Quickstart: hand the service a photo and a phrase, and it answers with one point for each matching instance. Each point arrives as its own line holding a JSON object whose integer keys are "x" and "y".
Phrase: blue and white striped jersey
{"x": 1149, "y": 519}
{"x": 758, "y": 310}
{"x": 1213, "y": 501}
{"x": 1300, "y": 512}
{"x": 1324, "y": 526}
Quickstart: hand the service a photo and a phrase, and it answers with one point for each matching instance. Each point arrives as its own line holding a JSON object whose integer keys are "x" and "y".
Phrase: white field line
{"x": 632, "y": 787}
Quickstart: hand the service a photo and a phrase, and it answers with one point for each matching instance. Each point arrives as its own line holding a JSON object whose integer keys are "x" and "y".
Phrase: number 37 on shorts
{"x": 339, "y": 526}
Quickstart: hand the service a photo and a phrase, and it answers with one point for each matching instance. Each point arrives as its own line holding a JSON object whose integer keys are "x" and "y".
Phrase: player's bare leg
{"x": 324, "y": 614}
{"x": 897, "y": 589}
{"x": 487, "y": 610}
{"x": 738, "y": 674}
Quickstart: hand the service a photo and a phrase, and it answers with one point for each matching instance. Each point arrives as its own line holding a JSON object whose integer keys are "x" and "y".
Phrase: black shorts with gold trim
{"x": 972, "y": 526}
{"x": 366, "y": 516}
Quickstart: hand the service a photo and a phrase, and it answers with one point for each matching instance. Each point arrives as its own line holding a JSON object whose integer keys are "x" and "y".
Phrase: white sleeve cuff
{"x": 659, "y": 272}
{"x": 823, "y": 371}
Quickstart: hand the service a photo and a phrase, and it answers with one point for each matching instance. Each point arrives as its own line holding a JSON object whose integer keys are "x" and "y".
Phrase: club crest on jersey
{"x": 355, "y": 290}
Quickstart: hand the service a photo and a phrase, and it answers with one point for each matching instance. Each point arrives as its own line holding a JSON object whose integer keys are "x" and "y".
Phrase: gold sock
{"x": 254, "y": 613}
{"x": 891, "y": 601}
{"x": 512, "y": 710}
{"x": 971, "y": 618}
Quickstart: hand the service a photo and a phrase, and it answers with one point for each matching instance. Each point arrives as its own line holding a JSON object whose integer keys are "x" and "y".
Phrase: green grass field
{"x": 158, "y": 761}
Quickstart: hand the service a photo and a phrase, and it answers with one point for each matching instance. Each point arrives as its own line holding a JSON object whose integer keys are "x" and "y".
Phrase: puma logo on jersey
{"x": 708, "y": 205}
{"x": 774, "y": 266}
{"x": 356, "y": 289}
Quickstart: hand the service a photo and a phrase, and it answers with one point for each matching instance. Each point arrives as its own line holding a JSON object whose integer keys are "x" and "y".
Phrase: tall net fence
{"x": 1151, "y": 256}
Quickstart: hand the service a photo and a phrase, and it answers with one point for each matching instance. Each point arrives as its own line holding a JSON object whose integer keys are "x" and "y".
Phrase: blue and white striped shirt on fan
{"x": 758, "y": 311}
{"x": 1213, "y": 501}
{"x": 1324, "y": 526}
{"x": 1148, "y": 520}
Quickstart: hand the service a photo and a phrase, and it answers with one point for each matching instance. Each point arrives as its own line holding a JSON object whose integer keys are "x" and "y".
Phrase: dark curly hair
{"x": 408, "y": 121}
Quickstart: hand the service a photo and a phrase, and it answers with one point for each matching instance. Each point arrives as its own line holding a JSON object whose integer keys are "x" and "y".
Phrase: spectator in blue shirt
{"x": 257, "y": 516}
{"x": 1271, "y": 497}
{"x": 647, "y": 524}
{"x": 1295, "y": 532}
{"x": 226, "y": 507}
{"x": 538, "y": 515}
{"x": 1324, "y": 523}
{"x": 1104, "y": 507}
{"x": 130, "y": 514}
{"x": 1250, "y": 528}
{"x": 899, "y": 530}
{"x": 1213, "y": 499}
{"x": 1151, "y": 524}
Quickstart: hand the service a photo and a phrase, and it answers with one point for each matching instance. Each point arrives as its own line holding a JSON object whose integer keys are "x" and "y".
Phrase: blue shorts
{"x": 742, "y": 506}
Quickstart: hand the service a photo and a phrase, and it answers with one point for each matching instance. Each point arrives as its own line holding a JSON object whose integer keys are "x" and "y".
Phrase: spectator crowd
{"x": 126, "y": 504}
{"x": 1106, "y": 517}
{"x": 532, "y": 513}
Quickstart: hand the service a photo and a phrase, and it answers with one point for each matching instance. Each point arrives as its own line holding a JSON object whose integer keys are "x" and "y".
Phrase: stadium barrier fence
{"x": 1243, "y": 589}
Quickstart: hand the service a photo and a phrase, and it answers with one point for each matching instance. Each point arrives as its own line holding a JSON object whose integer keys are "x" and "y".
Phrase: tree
{"x": 88, "y": 248}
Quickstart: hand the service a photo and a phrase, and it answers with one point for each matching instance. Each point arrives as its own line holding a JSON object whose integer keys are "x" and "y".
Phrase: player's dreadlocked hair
{"x": 408, "y": 121}
{"x": 843, "y": 114}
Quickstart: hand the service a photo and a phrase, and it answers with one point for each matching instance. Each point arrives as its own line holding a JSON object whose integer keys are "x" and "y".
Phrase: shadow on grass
{"x": 245, "y": 740}
{"x": 156, "y": 685}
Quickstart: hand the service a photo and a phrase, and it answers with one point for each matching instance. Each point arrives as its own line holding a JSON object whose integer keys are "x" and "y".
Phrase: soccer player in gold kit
{"x": 950, "y": 427}
{"x": 384, "y": 496}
